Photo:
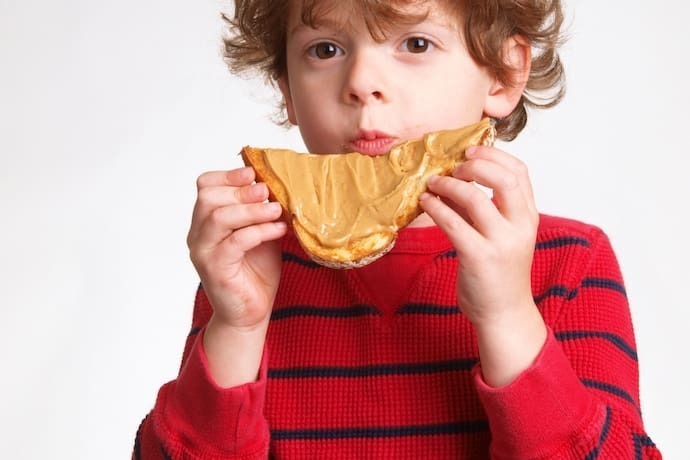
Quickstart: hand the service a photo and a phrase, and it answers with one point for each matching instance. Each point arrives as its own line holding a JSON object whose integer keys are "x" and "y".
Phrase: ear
{"x": 503, "y": 98}
{"x": 287, "y": 97}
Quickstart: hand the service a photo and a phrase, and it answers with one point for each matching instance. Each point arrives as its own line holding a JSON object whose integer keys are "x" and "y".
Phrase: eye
{"x": 417, "y": 45}
{"x": 324, "y": 50}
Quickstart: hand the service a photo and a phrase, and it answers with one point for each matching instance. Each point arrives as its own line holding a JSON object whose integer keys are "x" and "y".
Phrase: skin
{"x": 339, "y": 83}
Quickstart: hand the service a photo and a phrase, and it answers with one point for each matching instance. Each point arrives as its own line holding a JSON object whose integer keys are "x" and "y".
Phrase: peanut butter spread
{"x": 343, "y": 197}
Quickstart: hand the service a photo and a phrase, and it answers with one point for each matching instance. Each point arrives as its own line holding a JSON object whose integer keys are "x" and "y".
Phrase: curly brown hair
{"x": 255, "y": 37}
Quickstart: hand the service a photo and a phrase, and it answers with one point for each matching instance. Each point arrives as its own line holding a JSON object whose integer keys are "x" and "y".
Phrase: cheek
{"x": 460, "y": 95}
{"x": 309, "y": 96}
{"x": 316, "y": 126}
{"x": 302, "y": 108}
{"x": 448, "y": 106}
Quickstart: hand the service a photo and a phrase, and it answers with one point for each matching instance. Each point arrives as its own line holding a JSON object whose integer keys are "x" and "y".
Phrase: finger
{"x": 248, "y": 238}
{"x": 495, "y": 155}
{"x": 460, "y": 211}
{"x": 222, "y": 222}
{"x": 461, "y": 234}
{"x": 513, "y": 164}
{"x": 234, "y": 178}
{"x": 211, "y": 198}
{"x": 509, "y": 196}
{"x": 468, "y": 197}
{"x": 215, "y": 197}
{"x": 212, "y": 179}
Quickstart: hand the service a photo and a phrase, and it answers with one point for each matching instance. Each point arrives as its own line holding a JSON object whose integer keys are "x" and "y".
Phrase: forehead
{"x": 379, "y": 16}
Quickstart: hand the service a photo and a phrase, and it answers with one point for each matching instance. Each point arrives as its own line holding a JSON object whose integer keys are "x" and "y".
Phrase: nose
{"x": 365, "y": 79}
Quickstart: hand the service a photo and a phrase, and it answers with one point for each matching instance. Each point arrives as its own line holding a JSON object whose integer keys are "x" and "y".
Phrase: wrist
{"x": 509, "y": 344}
{"x": 233, "y": 353}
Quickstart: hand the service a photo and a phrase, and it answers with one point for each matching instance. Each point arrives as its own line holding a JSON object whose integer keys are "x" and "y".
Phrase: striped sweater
{"x": 380, "y": 363}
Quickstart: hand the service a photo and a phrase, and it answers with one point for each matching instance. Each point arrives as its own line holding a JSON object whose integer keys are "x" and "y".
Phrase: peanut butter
{"x": 342, "y": 197}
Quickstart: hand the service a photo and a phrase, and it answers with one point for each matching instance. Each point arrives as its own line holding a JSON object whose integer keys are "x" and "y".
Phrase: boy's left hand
{"x": 494, "y": 239}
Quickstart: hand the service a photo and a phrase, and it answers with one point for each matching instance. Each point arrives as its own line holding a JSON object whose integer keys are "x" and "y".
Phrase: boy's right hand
{"x": 233, "y": 246}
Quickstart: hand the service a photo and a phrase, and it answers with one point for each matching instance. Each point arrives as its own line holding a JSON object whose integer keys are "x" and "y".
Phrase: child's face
{"x": 348, "y": 92}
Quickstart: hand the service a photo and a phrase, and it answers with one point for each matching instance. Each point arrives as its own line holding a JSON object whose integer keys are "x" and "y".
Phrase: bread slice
{"x": 346, "y": 209}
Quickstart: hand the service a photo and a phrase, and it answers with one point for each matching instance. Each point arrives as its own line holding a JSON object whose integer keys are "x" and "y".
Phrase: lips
{"x": 372, "y": 142}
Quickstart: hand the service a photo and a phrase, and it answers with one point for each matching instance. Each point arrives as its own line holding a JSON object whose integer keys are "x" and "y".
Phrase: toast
{"x": 346, "y": 209}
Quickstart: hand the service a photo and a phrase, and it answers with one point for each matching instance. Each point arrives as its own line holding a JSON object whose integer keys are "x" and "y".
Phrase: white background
{"x": 110, "y": 110}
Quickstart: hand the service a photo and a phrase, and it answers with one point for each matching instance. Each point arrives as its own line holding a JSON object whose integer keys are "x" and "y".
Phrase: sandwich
{"x": 346, "y": 209}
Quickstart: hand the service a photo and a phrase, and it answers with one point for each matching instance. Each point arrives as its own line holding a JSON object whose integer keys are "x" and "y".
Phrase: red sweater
{"x": 380, "y": 363}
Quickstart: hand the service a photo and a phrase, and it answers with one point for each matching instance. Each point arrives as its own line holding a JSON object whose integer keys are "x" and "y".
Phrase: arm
{"x": 214, "y": 409}
{"x": 580, "y": 398}
{"x": 540, "y": 404}
{"x": 195, "y": 418}
{"x": 494, "y": 239}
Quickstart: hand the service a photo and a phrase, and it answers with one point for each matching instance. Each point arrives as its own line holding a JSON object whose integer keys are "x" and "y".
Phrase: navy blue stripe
{"x": 641, "y": 441}
{"x": 562, "y": 241}
{"x": 556, "y": 291}
{"x": 614, "y": 339}
{"x": 194, "y": 331}
{"x": 294, "y": 258}
{"x": 547, "y": 244}
{"x": 324, "y": 312}
{"x": 612, "y": 389}
{"x": 137, "y": 443}
{"x": 447, "y": 255}
{"x": 605, "y": 284}
{"x": 428, "y": 309}
{"x": 473, "y": 426}
{"x": 372, "y": 370}
{"x": 602, "y": 436}
{"x": 166, "y": 456}
{"x": 569, "y": 294}
{"x": 137, "y": 440}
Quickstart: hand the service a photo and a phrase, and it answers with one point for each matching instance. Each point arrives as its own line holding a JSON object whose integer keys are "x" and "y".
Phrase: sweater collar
{"x": 421, "y": 240}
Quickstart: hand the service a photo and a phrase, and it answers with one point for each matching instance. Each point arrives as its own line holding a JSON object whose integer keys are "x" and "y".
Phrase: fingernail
{"x": 258, "y": 189}
{"x": 246, "y": 172}
{"x": 274, "y": 206}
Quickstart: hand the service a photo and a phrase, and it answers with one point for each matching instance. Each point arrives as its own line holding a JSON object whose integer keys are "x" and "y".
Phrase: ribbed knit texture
{"x": 380, "y": 363}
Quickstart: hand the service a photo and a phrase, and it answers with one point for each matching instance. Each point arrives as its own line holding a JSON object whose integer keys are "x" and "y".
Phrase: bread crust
{"x": 355, "y": 252}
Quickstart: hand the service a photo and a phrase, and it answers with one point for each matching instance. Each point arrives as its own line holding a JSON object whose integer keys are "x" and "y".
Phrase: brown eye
{"x": 325, "y": 50}
{"x": 417, "y": 45}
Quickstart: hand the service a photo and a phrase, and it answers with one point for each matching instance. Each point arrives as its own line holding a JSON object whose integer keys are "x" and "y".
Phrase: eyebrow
{"x": 322, "y": 22}
{"x": 332, "y": 24}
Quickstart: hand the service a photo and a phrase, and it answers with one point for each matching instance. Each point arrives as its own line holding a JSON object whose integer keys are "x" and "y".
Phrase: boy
{"x": 488, "y": 331}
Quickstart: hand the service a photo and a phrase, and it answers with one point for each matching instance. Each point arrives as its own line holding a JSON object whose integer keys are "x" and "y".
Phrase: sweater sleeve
{"x": 194, "y": 418}
{"x": 580, "y": 397}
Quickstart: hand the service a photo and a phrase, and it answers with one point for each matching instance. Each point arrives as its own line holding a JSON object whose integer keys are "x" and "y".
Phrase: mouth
{"x": 372, "y": 143}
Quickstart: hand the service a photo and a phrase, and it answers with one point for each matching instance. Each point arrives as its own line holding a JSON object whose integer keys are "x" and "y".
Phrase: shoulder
{"x": 549, "y": 223}
{"x": 571, "y": 258}
{"x": 560, "y": 231}
{"x": 567, "y": 249}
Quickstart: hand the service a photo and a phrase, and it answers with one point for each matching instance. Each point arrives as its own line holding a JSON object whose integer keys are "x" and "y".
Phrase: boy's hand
{"x": 233, "y": 246}
{"x": 494, "y": 240}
